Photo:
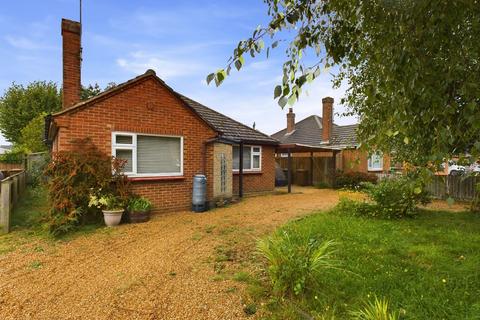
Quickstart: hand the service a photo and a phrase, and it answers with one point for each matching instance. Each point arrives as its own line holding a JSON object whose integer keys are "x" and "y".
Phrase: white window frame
{"x": 121, "y": 146}
{"x": 371, "y": 162}
{"x": 252, "y": 153}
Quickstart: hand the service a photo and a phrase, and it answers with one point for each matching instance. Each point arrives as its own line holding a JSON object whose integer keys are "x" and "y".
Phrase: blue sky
{"x": 181, "y": 40}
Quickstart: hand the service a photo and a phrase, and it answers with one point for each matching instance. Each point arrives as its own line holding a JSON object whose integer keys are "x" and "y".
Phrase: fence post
{"x": 14, "y": 190}
{"x": 23, "y": 180}
{"x": 5, "y": 205}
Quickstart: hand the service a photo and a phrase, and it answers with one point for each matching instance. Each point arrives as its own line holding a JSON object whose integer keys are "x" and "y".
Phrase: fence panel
{"x": 11, "y": 189}
{"x": 457, "y": 187}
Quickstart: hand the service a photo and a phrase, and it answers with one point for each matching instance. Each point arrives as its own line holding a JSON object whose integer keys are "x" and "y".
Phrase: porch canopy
{"x": 290, "y": 148}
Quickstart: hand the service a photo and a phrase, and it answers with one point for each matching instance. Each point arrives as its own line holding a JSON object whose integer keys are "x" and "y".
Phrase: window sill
{"x": 247, "y": 172}
{"x": 375, "y": 170}
{"x": 160, "y": 178}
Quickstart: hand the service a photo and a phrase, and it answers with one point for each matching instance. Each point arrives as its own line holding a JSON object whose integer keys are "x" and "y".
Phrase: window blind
{"x": 158, "y": 154}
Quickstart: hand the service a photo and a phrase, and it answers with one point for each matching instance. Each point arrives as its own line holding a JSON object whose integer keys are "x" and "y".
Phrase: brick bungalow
{"x": 165, "y": 137}
{"x": 320, "y": 137}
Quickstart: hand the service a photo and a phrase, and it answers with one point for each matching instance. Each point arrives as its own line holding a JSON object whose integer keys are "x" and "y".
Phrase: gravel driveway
{"x": 163, "y": 269}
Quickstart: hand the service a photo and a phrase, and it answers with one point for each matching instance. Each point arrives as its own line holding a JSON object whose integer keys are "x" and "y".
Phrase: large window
{"x": 375, "y": 162}
{"x": 252, "y": 158}
{"x": 149, "y": 155}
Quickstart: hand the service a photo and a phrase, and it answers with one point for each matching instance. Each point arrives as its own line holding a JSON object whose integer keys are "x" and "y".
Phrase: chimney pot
{"x": 290, "y": 121}
{"x": 71, "y": 35}
{"x": 327, "y": 119}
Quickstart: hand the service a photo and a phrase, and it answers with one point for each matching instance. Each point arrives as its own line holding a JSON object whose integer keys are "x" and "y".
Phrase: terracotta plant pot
{"x": 139, "y": 216}
{"x": 112, "y": 217}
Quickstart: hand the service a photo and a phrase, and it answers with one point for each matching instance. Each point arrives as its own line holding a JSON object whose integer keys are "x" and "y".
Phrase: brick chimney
{"x": 290, "y": 121}
{"x": 72, "y": 52}
{"x": 327, "y": 119}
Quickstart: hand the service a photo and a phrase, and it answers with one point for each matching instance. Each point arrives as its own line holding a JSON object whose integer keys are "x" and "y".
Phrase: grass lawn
{"x": 28, "y": 225}
{"x": 427, "y": 267}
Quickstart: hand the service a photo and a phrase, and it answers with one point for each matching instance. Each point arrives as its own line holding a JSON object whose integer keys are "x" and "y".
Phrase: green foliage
{"x": 295, "y": 261}
{"x": 392, "y": 198}
{"x": 475, "y": 205}
{"x": 356, "y": 208}
{"x": 91, "y": 91}
{"x": 427, "y": 267}
{"x": 352, "y": 180}
{"x": 322, "y": 185}
{"x": 72, "y": 175}
{"x": 32, "y": 135}
{"x": 376, "y": 310}
{"x": 136, "y": 204}
{"x": 31, "y": 208}
{"x": 20, "y": 105}
{"x": 16, "y": 155}
{"x": 36, "y": 169}
{"x": 106, "y": 201}
{"x": 414, "y": 83}
{"x": 398, "y": 197}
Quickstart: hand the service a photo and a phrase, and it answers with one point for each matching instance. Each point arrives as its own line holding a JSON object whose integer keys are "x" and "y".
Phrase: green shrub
{"x": 72, "y": 175}
{"x": 356, "y": 208}
{"x": 352, "y": 180}
{"x": 376, "y": 310}
{"x": 397, "y": 197}
{"x": 475, "y": 205}
{"x": 36, "y": 170}
{"x": 296, "y": 261}
{"x": 139, "y": 204}
{"x": 322, "y": 185}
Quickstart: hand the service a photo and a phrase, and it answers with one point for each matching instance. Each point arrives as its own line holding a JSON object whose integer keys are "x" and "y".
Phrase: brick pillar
{"x": 72, "y": 52}
{"x": 327, "y": 119}
{"x": 290, "y": 120}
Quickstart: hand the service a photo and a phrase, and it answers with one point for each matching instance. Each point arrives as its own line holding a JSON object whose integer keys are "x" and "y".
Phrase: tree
{"x": 20, "y": 105}
{"x": 412, "y": 68}
{"x": 91, "y": 91}
{"x": 32, "y": 135}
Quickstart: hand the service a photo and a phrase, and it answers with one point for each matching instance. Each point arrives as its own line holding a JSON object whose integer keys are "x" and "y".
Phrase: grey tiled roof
{"x": 228, "y": 127}
{"x": 309, "y": 132}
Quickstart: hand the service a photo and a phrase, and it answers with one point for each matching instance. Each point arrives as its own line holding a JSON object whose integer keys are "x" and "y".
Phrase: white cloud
{"x": 138, "y": 62}
{"x": 25, "y": 43}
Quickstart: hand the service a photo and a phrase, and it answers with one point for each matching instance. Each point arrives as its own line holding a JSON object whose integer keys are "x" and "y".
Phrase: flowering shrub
{"x": 105, "y": 201}
{"x": 72, "y": 175}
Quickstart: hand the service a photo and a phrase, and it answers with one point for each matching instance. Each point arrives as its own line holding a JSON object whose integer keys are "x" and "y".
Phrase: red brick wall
{"x": 259, "y": 181}
{"x": 71, "y": 62}
{"x": 145, "y": 107}
{"x": 356, "y": 160}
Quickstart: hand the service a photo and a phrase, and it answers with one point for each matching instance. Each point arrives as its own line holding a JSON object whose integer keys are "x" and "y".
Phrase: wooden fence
{"x": 301, "y": 172}
{"x": 457, "y": 187}
{"x": 11, "y": 188}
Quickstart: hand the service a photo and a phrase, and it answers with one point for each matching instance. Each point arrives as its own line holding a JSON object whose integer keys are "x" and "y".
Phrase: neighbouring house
{"x": 165, "y": 137}
{"x": 318, "y": 146}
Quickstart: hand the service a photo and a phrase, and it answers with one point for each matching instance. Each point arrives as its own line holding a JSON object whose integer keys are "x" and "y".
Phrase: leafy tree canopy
{"x": 32, "y": 135}
{"x": 20, "y": 105}
{"x": 23, "y": 106}
{"x": 412, "y": 68}
{"x": 92, "y": 90}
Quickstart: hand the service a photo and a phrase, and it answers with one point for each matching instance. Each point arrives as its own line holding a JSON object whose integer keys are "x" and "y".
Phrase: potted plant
{"x": 111, "y": 206}
{"x": 139, "y": 209}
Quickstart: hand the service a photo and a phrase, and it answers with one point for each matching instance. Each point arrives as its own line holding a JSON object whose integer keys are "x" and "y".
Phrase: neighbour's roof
{"x": 226, "y": 127}
{"x": 309, "y": 132}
